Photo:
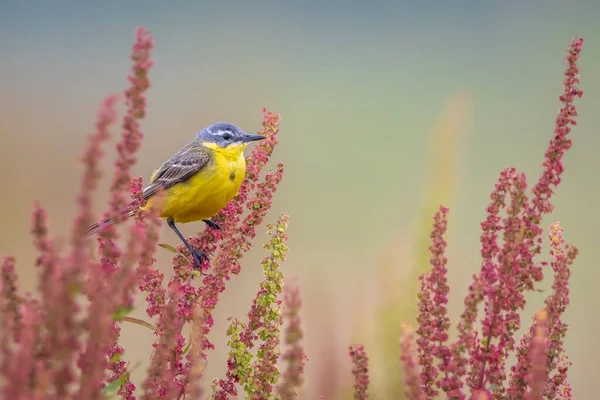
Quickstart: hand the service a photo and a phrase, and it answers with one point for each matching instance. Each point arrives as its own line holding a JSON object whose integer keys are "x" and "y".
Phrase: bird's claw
{"x": 212, "y": 224}
{"x": 199, "y": 257}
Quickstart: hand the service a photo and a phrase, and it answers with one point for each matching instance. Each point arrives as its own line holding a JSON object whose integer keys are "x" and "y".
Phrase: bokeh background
{"x": 388, "y": 109}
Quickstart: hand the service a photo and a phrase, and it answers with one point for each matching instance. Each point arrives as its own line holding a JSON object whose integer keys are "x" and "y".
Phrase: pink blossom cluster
{"x": 360, "y": 370}
{"x": 473, "y": 365}
{"x": 64, "y": 343}
{"x": 292, "y": 378}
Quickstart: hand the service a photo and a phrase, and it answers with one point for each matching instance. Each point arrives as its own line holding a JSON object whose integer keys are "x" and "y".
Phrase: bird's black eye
{"x": 227, "y": 136}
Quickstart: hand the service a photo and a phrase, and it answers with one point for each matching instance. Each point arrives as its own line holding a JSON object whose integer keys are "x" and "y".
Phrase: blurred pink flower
{"x": 360, "y": 370}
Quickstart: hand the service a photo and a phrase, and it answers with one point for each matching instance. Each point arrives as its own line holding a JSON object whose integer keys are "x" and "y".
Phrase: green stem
{"x": 139, "y": 322}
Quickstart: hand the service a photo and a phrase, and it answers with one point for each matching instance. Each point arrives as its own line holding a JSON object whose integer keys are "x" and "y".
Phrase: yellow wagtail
{"x": 198, "y": 181}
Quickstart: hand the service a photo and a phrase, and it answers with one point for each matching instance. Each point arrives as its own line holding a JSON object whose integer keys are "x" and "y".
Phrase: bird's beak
{"x": 250, "y": 138}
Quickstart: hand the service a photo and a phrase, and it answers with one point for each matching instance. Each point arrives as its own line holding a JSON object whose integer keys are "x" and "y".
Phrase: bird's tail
{"x": 98, "y": 226}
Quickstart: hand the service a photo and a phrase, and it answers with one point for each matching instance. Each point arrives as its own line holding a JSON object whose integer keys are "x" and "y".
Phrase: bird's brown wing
{"x": 179, "y": 168}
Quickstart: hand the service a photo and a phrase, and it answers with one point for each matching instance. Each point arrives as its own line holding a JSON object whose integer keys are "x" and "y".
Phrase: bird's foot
{"x": 199, "y": 258}
{"x": 212, "y": 224}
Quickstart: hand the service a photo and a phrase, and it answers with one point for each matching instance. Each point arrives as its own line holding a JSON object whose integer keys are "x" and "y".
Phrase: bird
{"x": 198, "y": 181}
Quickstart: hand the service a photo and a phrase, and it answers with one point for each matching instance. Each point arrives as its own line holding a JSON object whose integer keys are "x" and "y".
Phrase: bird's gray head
{"x": 225, "y": 134}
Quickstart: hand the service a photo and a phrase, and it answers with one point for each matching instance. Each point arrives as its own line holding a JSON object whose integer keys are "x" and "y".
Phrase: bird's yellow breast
{"x": 209, "y": 190}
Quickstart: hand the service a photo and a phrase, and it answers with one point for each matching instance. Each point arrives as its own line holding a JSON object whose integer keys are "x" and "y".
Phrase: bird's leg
{"x": 198, "y": 256}
{"x": 212, "y": 224}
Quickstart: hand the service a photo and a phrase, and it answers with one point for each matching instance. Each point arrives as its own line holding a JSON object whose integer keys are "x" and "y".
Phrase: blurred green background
{"x": 361, "y": 89}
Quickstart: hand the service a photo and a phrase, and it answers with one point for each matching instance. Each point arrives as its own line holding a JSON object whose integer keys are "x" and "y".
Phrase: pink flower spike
{"x": 360, "y": 370}
{"x": 412, "y": 378}
{"x": 9, "y": 298}
{"x": 563, "y": 256}
{"x": 539, "y": 347}
{"x": 129, "y": 144}
{"x": 160, "y": 381}
{"x": 18, "y": 372}
{"x": 432, "y": 319}
{"x": 292, "y": 378}
{"x": 91, "y": 159}
{"x": 560, "y": 143}
{"x": 131, "y": 138}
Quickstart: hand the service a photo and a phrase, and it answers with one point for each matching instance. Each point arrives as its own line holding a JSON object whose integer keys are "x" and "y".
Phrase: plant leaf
{"x": 140, "y": 322}
{"x": 168, "y": 247}
{"x": 115, "y": 358}
{"x": 187, "y": 348}
{"x": 121, "y": 312}
{"x": 174, "y": 250}
{"x": 117, "y": 383}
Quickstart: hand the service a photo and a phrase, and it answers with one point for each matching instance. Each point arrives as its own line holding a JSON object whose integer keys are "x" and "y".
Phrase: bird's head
{"x": 225, "y": 135}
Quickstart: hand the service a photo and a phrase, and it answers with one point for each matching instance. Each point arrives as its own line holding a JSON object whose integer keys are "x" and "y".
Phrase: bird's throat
{"x": 232, "y": 152}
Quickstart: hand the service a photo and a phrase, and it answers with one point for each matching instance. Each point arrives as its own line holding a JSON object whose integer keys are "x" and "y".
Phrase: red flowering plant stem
{"x": 18, "y": 370}
{"x": 412, "y": 380}
{"x": 360, "y": 370}
{"x": 9, "y": 299}
{"x": 294, "y": 356}
{"x": 129, "y": 144}
{"x": 516, "y": 270}
{"x": 11, "y": 318}
{"x": 536, "y": 378}
{"x": 508, "y": 269}
{"x": 197, "y": 362}
{"x": 91, "y": 361}
{"x": 69, "y": 343}
{"x": 557, "y": 365}
{"x": 563, "y": 257}
{"x": 432, "y": 316}
{"x": 102, "y": 350}
{"x": 160, "y": 380}
{"x": 503, "y": 279}
{"x": 264, "y": 322}
{"x": 60, "y": 337}
{"x": 151, "y": 278}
